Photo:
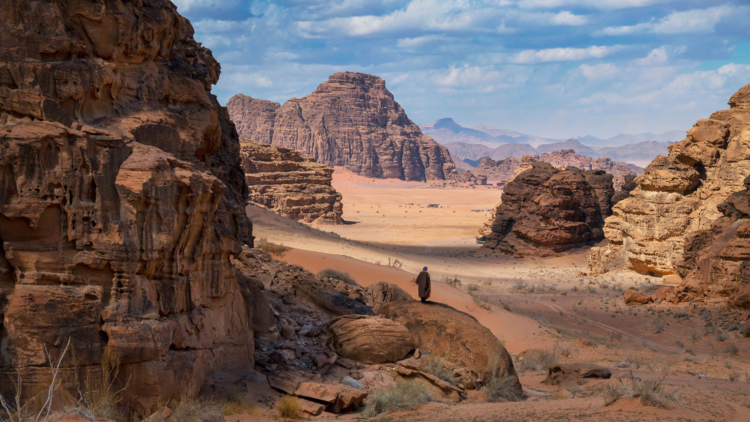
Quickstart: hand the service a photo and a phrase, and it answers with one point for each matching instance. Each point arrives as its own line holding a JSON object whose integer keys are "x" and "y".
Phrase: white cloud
{"x": 562, "y": 54}
{"x": 656, "y": 57}
{"x": 599, "y": 71}
{"x": 417, "y": 41}
{"x": 255, "y": 79}
{"x": 567, "y": 18}
{"x": 598, "y": 4}
{"x": 690, "y": 21}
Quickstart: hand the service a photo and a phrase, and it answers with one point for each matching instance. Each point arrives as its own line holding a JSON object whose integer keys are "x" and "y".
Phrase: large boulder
{"x": 452, "y": 334}
{"x": 382, "y": 293}
{"x": 370, "y": 339}
{"x": 546, "y": 210}
{"x": 351, "y": 120}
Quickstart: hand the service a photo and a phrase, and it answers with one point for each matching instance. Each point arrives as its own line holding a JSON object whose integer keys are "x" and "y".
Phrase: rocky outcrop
{"x": 497, "y": 171}
{"x": 381, "y": 293}
{"x": 289, "y": 184}
{"x": 469, "y": 178}
{"x": 370, "y": 339}
{"x": 545, "y": 210}
{"x": 351, "y": 120}
{"x": 122, "y": 200}
{"x": 679, "y": 195}
{"x": 453, "y": 335}
{"x": 569, "y": 158}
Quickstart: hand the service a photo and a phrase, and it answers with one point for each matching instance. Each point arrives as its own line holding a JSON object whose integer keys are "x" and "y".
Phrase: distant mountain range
{"x": 471, "y": 145}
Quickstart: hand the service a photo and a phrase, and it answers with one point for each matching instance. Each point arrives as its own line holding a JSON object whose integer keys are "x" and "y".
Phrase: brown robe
{"x": 425, "y": 287}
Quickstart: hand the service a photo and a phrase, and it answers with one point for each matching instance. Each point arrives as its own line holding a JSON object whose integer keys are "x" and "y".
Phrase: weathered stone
{"x": 370, "y": 339}
{"x": 351, "y": 120}
{"x": 545, "y": 210}
{"x": 289, "y": 184}
{"x": 634, "y": 297}
{"x": 454, "y": 335}
{"x": 121, "y": 200}
{"x": 665, "y": 223}
{"x": 381, "y": 293}
{"x": 448, "y": 391}
{"x": 578, "y": 373}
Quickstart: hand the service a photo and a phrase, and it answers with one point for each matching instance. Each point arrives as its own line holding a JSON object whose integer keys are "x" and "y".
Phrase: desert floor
{"x": 527, "y": 303}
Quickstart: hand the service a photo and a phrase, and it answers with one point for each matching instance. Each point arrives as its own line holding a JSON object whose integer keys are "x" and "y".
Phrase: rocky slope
{"x": 545, "y": 210}
{"x": 289, "y": 184}
{"x": 351, "y": 120}
{"x": 679, "y": 194}
{"x": 122, "y": 200}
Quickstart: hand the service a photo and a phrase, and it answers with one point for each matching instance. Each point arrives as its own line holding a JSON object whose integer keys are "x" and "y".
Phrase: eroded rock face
{"x": 370, "y": 339}
{"x": 122, "y": 199}
{"x": 289, "y": 184}
{"x": 351, "y": 120}
{"x": 679, "y": 195}
{"x": 546, "y": 210}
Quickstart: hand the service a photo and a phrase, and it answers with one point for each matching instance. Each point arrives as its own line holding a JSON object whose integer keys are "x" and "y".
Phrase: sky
{"x": 551, "y": 68}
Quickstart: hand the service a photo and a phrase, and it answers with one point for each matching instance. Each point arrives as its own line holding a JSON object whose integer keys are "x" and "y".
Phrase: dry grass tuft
{"x": 337, "y": 275}
{"x": 272, "y": 248}
{"x": 436, "y": 366}
{"x": 648, "y": 392}
{"x": 237, "y": 403}
{"x": 289, "y": 408}
{"x": 501, "y": 386}
{"x": 406, "y": 394}
{"x": 191, "y": 409}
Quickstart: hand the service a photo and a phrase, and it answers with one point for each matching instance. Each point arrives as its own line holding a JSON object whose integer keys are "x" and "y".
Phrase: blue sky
{"x": 553, "y": 68}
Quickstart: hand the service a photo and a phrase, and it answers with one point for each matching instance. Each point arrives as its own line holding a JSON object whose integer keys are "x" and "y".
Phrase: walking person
{"x": 424, "y": 284}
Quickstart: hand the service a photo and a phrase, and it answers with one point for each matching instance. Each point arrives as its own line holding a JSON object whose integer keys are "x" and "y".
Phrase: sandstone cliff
{"x": 679, "y": 194}
{"x": 289, "y": 184}
{"x": 122, "y": 200}
{"x": 546, "y": 210}
{"x": 351, "y": 120}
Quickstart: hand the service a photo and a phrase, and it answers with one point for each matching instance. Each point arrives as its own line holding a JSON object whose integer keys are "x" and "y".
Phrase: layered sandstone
{"x": 546, "y": 210}
{"x": 351, "y": 120}
{"x": 289, "y": 184}
{"x": 679, "y": 194}
{"x": 122, "y": 200}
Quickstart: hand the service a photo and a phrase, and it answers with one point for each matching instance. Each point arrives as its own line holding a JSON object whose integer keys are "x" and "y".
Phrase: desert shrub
{"x": 455, "y": 282}
{"x": 658, "y": 326}
{"x": 690, "y": 350}
{"x": 337, "y": 275}
{"x": 500, "y": 386}
{"x": 272, "y": 248}
{"x": 472, "y": 287}
{"x": 734, "y": 376}
{"x": 192, "y": 409}
{"x": 648, "y": 392}
{"x": 721, "y": 336}
{"x": 406, "y": 394}
{"x": 746, "y": 332}
{"x": 732, "y": 349}
{"x": 289, "y": 408}
{"x": 237, "y": 403}
{"x": 436, "y": 366}
{"x": 519, "y": 285}
{"x": 482, "y": 301}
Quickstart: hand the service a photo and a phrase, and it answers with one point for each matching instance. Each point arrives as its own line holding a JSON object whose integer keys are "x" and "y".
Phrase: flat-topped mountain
{"x": 351, "y": 120}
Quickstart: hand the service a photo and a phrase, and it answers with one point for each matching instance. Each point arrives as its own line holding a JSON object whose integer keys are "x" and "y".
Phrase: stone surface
{"x": 445, "y": 390}
{"x": 451, "y": 334}
{"x": 382, "y": 293}
{"x": 290, "y": 184}
{"x": 351, "y": 120}
{"x": 634, "y": 297}
{"x": 546, "y": 210}
{"x": 578, "y": 373}
{"x": 121, "y": 202}
{"x": 370, "y": 339}
{"x": 679, "y": 195}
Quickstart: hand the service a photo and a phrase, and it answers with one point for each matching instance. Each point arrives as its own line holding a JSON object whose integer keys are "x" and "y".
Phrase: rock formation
{"x": 502, "y": 171}
{"x": 122, "y": 200}
{"x": 469, "y": 178}
{"x": 289, "y": 184}
{"x": 370, "y": 339}
{"x": 351, "y": 120}
{"x": 680, "y": 194}
{"x": 546, "y": 210}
